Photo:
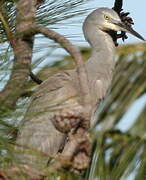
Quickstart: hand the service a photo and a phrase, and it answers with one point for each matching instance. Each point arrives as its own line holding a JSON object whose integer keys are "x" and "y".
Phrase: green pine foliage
{"x": 117, "y": 155}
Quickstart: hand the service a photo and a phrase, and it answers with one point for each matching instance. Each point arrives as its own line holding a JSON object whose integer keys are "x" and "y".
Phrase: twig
{"x": 35, "y": 78}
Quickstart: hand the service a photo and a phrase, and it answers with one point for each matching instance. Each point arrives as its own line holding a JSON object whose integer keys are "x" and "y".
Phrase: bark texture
{"x": 22, "y": 47}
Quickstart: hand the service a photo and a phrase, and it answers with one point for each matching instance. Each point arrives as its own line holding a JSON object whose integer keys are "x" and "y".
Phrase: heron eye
{"x": 106, "y": 17}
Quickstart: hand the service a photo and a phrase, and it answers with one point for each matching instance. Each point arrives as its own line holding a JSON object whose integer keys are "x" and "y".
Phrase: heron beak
{"x": 129, "y": 30}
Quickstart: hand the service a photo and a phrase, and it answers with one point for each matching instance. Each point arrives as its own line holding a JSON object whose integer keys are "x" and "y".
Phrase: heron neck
{"x": 103, "y": 52}
{"x": 101, "y": 41}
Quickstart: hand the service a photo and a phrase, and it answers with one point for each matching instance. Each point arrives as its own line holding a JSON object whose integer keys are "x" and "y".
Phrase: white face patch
{"x": 112, "y": 26}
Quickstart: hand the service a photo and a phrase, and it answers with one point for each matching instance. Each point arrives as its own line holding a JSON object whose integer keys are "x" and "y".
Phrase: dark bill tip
{"x": 130, "y": 30}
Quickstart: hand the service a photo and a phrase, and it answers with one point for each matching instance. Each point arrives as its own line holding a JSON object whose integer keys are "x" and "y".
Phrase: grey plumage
{"x": 60, "y": 92}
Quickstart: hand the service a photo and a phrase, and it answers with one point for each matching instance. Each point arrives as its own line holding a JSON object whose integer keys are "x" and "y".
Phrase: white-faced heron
{"x": 57, "y": 98}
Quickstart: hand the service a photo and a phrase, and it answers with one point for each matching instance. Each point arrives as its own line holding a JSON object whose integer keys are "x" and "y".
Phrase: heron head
{"x": 107, "y": 19}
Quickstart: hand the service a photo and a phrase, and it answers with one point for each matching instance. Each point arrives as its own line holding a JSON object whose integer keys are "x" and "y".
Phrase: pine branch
{"x": 22, "y": 48}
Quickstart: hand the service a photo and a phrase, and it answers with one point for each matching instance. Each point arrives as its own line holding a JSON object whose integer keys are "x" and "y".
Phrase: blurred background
{"x": 119, "y": 147}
